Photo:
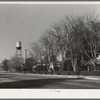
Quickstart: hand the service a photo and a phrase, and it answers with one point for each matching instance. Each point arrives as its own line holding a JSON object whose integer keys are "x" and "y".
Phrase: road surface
{"x": 36, "y": 81}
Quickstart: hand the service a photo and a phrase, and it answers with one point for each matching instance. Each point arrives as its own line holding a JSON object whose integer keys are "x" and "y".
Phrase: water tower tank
{"x": 19, "y": 45}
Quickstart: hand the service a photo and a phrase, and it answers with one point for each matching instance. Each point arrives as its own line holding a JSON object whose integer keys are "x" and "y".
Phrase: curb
{"x": 63, "y": 76}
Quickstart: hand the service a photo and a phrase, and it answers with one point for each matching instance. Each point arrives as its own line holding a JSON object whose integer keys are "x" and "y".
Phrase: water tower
{"x": 19, "y": 49}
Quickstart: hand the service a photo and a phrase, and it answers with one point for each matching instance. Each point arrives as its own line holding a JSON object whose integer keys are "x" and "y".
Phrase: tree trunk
{"x": 74, "y": 64}
{"x": 62, "y": 64}
{"x": 94, "y": 66}
{"x": 88, "y": 68}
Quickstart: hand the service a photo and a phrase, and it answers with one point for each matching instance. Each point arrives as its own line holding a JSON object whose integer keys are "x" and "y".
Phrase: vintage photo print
{"x": 49, "y": 49}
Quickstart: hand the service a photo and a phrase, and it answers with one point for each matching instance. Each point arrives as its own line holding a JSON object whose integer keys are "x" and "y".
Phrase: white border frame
{"x": 50, "y": 2}
{"x": 50, "y": 93}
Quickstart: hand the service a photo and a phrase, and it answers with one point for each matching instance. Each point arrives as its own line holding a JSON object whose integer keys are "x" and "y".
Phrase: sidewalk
{"x": 69, "y": 76}
{"x": 61, "y": 76}
{"x": 91, "y": 77}
{"x": 74, "y": 76}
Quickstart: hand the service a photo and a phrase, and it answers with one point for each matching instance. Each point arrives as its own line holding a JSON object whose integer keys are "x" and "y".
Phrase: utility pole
{"x": 26, "y": 58}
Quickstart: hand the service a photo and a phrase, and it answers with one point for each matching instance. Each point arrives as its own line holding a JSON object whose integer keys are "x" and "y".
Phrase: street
{"x": 41, "y": 81}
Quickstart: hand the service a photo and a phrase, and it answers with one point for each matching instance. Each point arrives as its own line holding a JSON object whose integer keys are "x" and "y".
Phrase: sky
{"x": 26, "y": 23}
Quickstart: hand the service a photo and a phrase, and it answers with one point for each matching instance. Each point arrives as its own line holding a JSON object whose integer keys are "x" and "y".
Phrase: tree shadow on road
{"x": 36, "y": 83}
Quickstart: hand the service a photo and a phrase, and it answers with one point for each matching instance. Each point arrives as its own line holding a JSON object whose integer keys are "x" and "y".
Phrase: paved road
{"x": 16, "y": 80}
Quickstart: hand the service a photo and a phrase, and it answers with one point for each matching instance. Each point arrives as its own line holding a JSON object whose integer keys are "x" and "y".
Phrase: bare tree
{"x": 17, "y": 63}
{"x": 6, "y": 65}
{"x": 36, "y": 51}
{"x": 76, "y": 36}
{"x": 83, "y": 37}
